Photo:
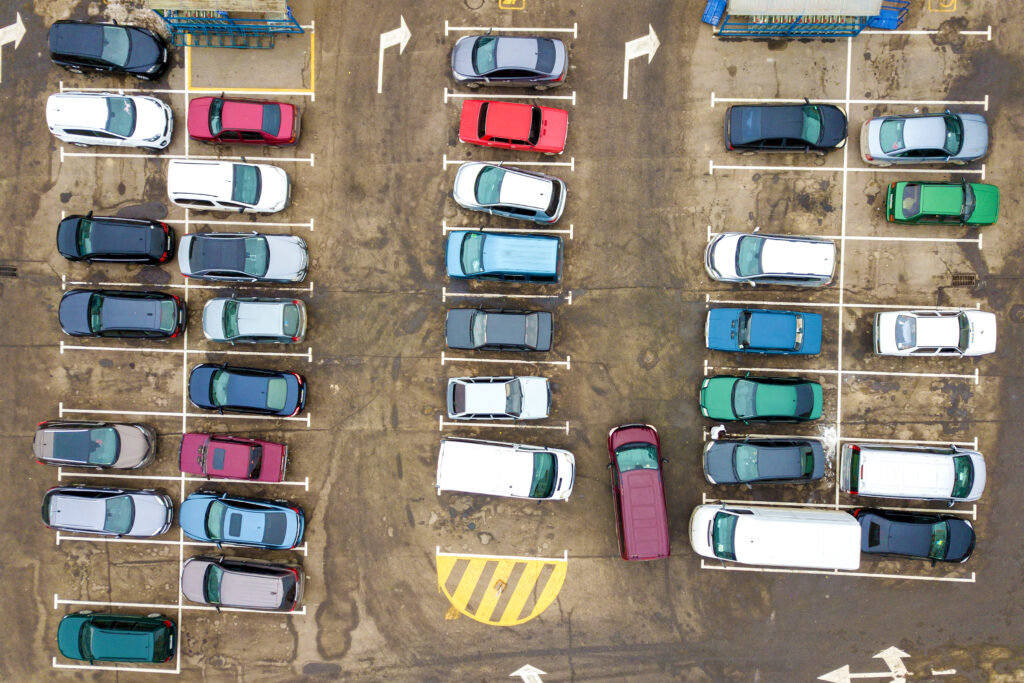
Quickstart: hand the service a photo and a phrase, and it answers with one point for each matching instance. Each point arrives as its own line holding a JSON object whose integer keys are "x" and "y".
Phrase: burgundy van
{"x": 641, "y": 518}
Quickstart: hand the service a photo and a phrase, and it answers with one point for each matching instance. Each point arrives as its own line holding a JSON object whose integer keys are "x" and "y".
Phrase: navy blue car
{"x": 83, "y": 46}
{"x": 218, "y": 518}
{"x": 247, "y": 390}
{"x": 817, "y": 128}
{"x": 111, "y": 313}
{"x": 500, "y": 256}
{"x": 762, "y": 331}
{"x": 939, "y": 538}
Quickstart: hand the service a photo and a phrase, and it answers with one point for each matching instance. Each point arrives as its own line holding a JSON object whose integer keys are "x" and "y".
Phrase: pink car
{"x": 233, "y": 457}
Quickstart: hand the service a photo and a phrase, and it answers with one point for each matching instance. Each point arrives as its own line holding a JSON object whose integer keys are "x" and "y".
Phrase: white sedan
{"x": 498, "y": 398}
{"x": 935, "y": 333}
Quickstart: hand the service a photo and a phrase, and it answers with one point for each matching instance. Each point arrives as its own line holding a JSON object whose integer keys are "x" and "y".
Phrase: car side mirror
{"x": 752, "y": 284}
{"x": 951, "y": 503}
{"x": 664, "y": 461}
{"x": 241, "y": 210}
{"x": 608, "y": 466}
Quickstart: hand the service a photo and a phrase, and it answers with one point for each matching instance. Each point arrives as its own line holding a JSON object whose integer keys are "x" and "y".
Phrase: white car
{"x": 509, "y": 192}
{"x": 770, "y": 259}
{"x": 253, "y": 321}
{"x": 108, "y": 119}
{"x": 227, "y": 186}
{"x": 499, "y": 398}
{"x": 935, "y": 333}
{"x": 512, "y": 470}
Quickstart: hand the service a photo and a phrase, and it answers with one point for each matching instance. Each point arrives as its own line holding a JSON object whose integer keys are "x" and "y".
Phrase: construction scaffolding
{"x": 243, "y": 24}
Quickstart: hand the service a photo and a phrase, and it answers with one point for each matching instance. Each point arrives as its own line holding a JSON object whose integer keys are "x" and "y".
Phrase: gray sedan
{"x": 746, "y": 461}
{"x": 521, "y": 61}
{"x": 949, "y": 137}
{"x": 108, "y": 511}
{"x": 253, "y": 321}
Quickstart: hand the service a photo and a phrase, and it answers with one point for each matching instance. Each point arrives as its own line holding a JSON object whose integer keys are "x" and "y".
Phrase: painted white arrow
{"x": 12, "y": 34}
{"x": 396, "y": 36}
{"x": 529, "y": 674}
{"x": 893, "y": 658}
{"x": 638, "y": 47}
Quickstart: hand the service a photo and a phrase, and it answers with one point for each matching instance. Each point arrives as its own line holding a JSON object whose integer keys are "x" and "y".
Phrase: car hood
{"x": 151, "y": 117}
{"x": 184, "y": 245}
{"x": 274, "y": 190}
{"x": 986, "y": 206}
{"x": 145, "y": 51}
{"x": 73, "y": 312}
{"x": 193, "y": 579}
{"x": 289, "y": 258}
{"x": 453, "y": 253}
{"x": 457, "y": 328}
{"x": 150, "y": 515}
{"x": 463, "y": 189}
{"x": 983, "y": 333}
{"x": 213, "y": 319}
{"x": 721, "y": 254}
{"x": 462, "y": 56}
{"x": 834, "y": 126}
{"x": 135, "y": 446}
{"x": 536, "y": 397}
{"x": 781, "y": 255}
{"x": 975, "y": 137}
{"x": 872, "y": 131}
{"x": 980, "y": 477}
{"x": 959, "y": 539}
{"x": 198, "y": 119}
{"x": 553, "y": 131}
{"x": 67, "y": 635}
{"x": 718, "y": 457}
{"x": 716, "y": 398}
{"x": 644, "y": 515}
{"x": 885, "y": 332}
{"x": 199, "y": 385}
{"x": 700, "y": 529}
{"x": 188, "y": 454}
{"x": 721, "y": 329}
{"x": 192, "y": 516}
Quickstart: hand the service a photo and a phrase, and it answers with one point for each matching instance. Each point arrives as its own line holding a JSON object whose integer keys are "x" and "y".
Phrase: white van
{"x": 776, "y": 536}
{"x": 493, "y": 468}
{"x": 920, "y": 472}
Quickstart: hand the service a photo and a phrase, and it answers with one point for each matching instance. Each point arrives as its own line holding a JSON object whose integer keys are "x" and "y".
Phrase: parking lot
{"x": 399, "y": 577}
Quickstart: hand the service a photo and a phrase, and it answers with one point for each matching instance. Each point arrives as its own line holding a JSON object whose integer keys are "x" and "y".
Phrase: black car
{"x": 83, "y": 46}
{"x": 110, "y": 238}
{"x": 744, "y": 461}
{"x": 807, "y": 127}
{"x": 939, "y": 538}
{"x": 109, "y": 313}
{"x": 246, "y": 390}
{"x": 498, "y": 330}
{"x": 509, "y": 60}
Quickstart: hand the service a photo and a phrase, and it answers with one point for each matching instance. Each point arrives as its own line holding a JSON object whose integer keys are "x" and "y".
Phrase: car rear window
{"x": 246, "y": 186}
{"x": 271, "y": 119}
{"x": 748, "y": 255}
{"x": 211, "y": 583}
{"x": 890, "y": 135}
{"x": 488, "y": 185}
{"x": 459, "y": 397}
{"x": 556, "y": 195}
{"x": 120, "y": 116}
{"x": 255, "y": 458}
{"x": 963, "y": 476}
{"x": 277, "y": 392}
{"x": 290, "y": 322}
{"x": 637, "y": 456}
{"x": 906, "y": 332}
{"x": 723, "y": 535}
{"x": 545, "y": 55}
{"x": 543, "y": 484}
{"x": 168, "y": 316}
{"x": 274, "y": 526}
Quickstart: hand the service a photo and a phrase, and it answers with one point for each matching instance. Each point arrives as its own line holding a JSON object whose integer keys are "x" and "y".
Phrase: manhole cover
{"x": 965, "y": 279}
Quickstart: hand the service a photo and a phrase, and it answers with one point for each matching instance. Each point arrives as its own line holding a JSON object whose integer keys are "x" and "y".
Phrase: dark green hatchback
{"x": 960, "y": 203}
{"x": 116, "y": 638}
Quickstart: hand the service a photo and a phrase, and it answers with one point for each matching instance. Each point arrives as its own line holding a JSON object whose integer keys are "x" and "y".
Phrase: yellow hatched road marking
{"x": 498, "y": 582}
{"x": 468, "y": 582}
{"x": 523, "y": 588}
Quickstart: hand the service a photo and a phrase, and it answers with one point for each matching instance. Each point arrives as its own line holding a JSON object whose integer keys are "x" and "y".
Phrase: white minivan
{"x": 921, "y": 472}
{"x": 494, "y": 468}
{"x": 776, "y": 536}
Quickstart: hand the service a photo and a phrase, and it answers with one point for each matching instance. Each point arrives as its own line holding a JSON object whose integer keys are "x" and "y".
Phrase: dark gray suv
{"x": 498, "y": 330}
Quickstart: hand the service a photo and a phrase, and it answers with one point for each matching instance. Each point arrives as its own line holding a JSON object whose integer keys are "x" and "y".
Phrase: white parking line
{"x": 489, "y": 96}
{"x": 61, "y": 474}
{"x": 792, "y": 100}
{"x": 445, "y": 229}
{"x": 175, "y": 285}
{"x": 972, "y": 512}
{"x": 870, "y": 373}
{"x": 124, "y": 669}
{"x": 482, "y": 295}
{"x": 453, "y": 359}
{"x": 446, "y": 162}
{"x": 835, "y": 572}
{"x": 181, "y": 91}
{"x": 834, "y": 304}
{"x": 156, "y": 605}
{"x": 183, "y": 414}
{"x": 155, "y": 541}
{"x": 250, "y": 224}
{"x": 133, "y": 155}
{"x": 508, "y": 29}
{"x": 913, "y": 442}
{"x": 441, "y": 424}
{"x": 839, "y": 169}
{"x": 873, "y": 238}
{"x": 924, "y": 32}
{"x": 230, "y": 352}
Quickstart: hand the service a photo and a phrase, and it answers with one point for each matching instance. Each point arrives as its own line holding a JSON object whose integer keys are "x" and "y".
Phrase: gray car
{"x": 499, "y": 398}
{"x": 243, "y": 257}
{"x": 94, "y": 444}
{"x": 509, "y": 192}
{"x": 520, "y": 61}
{"x": 949, "y": 137}
{"x": 498, "y": 330}
{"x": 242, "y": 583}
{"x": 254, "y": 321}
{"x": 108, "y": 511}
{"x": 771, "y": 259}
{"x": 748, "y": 461}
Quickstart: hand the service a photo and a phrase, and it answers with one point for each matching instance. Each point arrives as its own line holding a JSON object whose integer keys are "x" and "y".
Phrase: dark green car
{"x": 760, "y": 399}
{"x": 116, "y": 637}
{"x": 962, "y": 203}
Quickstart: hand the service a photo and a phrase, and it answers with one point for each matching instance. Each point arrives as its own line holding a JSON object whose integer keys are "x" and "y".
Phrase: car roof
{"x": 515, "y": 52}
{"x": 205, "y": 178}
{"x": 942, "y": 198}
{"x": 81, "y": 110}
{"x": 938, "y": 330}
{"x": 261, "y": 317}
{"x": 520, "y": 253}
{"x": 80, "y": 38}
{"x": 508, "y": 120}
{"x": 772, "y": 329}
{"x": 924, "y": 132}
{"x": 525, "y": 190}
{"x": 242, "y": 115}
{"x": 798, "y": 256}
{"x": 485, "y": 397}
{"x": 130, "y": 313}
{"x": 644, "y": 514}
{"x": 253, "y": 590}
{"x": 758, "y": 122}
{"x": 79, "y": 512}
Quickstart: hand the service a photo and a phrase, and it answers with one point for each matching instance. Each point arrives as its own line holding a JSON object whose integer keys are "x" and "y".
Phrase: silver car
{"x": 108, "y": 511}
{"x": 499, "y": 398}
{"x": 949, "y": 137}
{"x": 254, "y": 321}
{"x": 519, "y": 61}
{"x": 243, "y": 257}
{"x": 509, "y": 192}
{"x": 102, "y": 445}
{"x": 770, "y": 259}
{"x": 242, "y": 583}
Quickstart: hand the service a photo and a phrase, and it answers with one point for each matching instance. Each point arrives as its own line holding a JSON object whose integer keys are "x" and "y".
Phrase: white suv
{"x": 107, "y": 119}
{"x": 227, "y": 186}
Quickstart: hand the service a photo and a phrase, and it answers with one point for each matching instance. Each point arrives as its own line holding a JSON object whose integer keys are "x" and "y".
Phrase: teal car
{"x": 93, "y": 637}
{"x": 760, "y": 399}
{"x": 923, "y": 201}
{"x": 504, "y": 256}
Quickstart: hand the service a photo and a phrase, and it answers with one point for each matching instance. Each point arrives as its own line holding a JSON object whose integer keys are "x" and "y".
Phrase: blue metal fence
{"x": 893, "y": 13}
{"x": 219, "y": 29}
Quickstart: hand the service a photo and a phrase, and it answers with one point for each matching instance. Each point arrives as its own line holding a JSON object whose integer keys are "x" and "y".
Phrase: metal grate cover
{"x": 8, "y": 271}
{"x": 965, "y": 279}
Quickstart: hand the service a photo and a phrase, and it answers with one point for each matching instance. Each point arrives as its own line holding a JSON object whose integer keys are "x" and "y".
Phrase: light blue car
{"x": 501, "y": 256}
{"x": 219, "y": 518}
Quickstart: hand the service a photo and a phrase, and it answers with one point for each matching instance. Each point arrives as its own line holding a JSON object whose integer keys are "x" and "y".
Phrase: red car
{"x": 508, "y": 125}
{"x": 247, "y": 122}
{"x": 641, "y": 518}
{"x": 233, "y": 457}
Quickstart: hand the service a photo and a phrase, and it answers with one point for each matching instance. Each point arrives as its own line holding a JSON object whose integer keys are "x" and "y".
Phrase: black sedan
{"x": 246, "y": 390}
{"x": 110, "y": 238}
{"x": 498, "y": 330}
{"x": 817, "y": 128}
{"x": 109, "y": 313}
{"x": 734, "y": 461}
{"x": 939, "y": 538}
{"x": 83, "y": 46}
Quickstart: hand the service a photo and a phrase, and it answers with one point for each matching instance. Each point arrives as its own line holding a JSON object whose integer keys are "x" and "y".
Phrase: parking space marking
{"x": 927, "y": 32}
{"x": 446, "y": 162}
{"x": 840, "y": 169}
{"x": 134, "y": 155}
{"x": 485, "y": 295}
{"x": 183, "y": 91}
{"x": 445, "y": 229}
{"x": 511, "y": 424}
{"x": 61, "y": 474}
{"x": 792, "y": 100}
{"x": 309, "y": 92}
{"x": 230, "y": 352}
{"x": 832, "y": 304}
{"x": 156, "y": 605}
{"x": 836, "y": 572}
{"x": 183, "y": 414}
{"x": 133, "y": 669}
{"x": 972, "y": 512}
{"x": 174, "y": 285}
{"x": 914, "y": 442}
{"x": 251, "y": 224}
{"x": 512, "y": 29}
{"x": 515, "y": 361}
{"x": 155, "y": 541}
{"x": 874, "y": 238}
{"x": 490, "y": 96}
{"x": 840, "y": 372}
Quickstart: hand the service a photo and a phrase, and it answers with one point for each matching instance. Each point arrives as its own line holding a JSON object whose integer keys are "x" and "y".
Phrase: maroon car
{"x": 233, "y": 457}
{"x": 641, "y": 518}
{"x": 252, "y": 122}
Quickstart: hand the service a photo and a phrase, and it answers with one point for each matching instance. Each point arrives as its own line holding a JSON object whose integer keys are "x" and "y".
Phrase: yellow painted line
{"x": 292, "y": 91}
{"x": 550, "y": 592}
{"x": 493, "y": 592}
{"x": 467, "y": 584}
{"x": 312, "y": 61}
{"x": 521, "y": 593}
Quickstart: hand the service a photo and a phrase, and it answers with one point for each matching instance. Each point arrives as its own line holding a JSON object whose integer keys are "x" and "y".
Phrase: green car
{"x": 960, "y": 203}
{"x": 116, "y": 637}
{"x": 761, "y": 399}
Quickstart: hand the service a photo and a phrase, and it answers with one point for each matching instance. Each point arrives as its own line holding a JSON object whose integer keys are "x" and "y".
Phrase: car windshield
{"x": 216, "y": 107}
{"x": 116, "y": 45}
{"x": 536, "y": 119}
{"x": 811, "y": 131}
{"x": 890, "y": 135}
{"x": 485, "y": 54}
{"x": 906, "y": 332}
{"x": 513, "y": 398}
{"x": 543, "y": 484}
{"x": 965, "y": 332}
{"x": 85, "y": 641}
{"x": 963, "y": 476}
{"x": 723, "y": 536}
{"x": 271, "y": 119}
{"x": 96, "y": 312}
{"x": 290, "y": 321}
{"x": 212, "y": 583}
{"x": 938, "y": 549}
{"x": 911, "y": 200}
{"x": 478, "y": 329}
{"x": 954, "y": 135}
{"x": 744, "y": 399}
{"x": 246, "y": 186}
{"x": 257, "y": 256}
{"x": 119, "y": 514}
{"x": 637, "y": 456}
{"x": 545, "y": 55}
{"x": 255, "y": 457}
{"x": 745, "y": 462}
{"x": 472, "y": 256}
{"x": 219, "y": 387}
{"x": 532, "y": 330}
{"x": 230, "y": 319}
{"x": 84, "y": 238}
{"x": 215, "y": 515}
{"x": 103, "y": 446}
{"x": 120, "y": 116}
{"x": 969, "y": 201}
{"x": 277, "y": 392}
{"x": 488, "y": 185}
{"x": 748, "y": 255}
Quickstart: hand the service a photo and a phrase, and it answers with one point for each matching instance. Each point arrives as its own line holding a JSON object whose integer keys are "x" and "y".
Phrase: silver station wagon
{"x": 254, "y": 321}
{"x": 108, "y": 511}
{"x": 242, "y": 583}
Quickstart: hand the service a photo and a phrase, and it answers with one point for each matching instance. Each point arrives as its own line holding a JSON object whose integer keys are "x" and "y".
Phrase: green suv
{"x": 116, "y": 637}
{"x": 960, "y": 203}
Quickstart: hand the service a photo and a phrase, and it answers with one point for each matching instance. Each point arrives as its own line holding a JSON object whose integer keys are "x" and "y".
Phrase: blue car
{"x": 501, "y": 256}
{"x": 219, "y": 518}
{"x": 234, "y": 389}
{"x": 761, "y": 331}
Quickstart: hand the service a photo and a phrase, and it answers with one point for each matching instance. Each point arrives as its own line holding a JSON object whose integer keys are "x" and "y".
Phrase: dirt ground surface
{"x": 648, "y": 181}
